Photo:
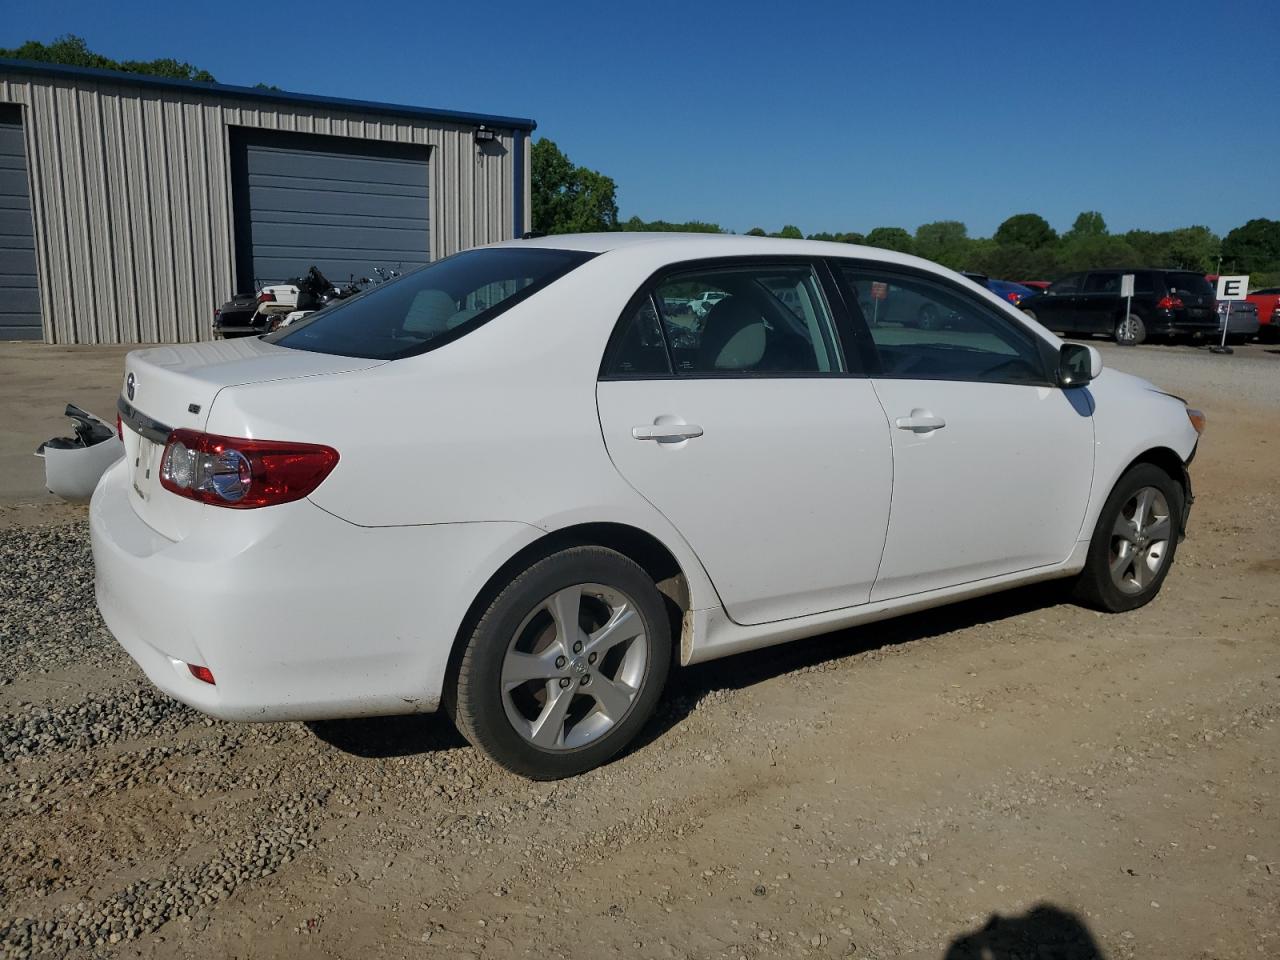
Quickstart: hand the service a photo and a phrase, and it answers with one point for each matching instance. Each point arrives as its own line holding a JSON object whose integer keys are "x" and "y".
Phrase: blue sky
{"x": 832, "y": 116}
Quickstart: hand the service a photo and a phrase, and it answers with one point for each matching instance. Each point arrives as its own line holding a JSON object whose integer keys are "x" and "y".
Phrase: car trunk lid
{"x": 169, "y": 387}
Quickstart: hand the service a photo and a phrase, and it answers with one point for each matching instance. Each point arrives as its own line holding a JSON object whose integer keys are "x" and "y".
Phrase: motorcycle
{"x": 281, "y": 304}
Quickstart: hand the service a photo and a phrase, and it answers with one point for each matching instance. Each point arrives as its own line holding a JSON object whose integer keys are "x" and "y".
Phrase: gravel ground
{"x": 1008, "y": 777}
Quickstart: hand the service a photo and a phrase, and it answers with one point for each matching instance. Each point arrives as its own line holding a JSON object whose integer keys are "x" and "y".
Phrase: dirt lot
{"x": 1011, "y": 777}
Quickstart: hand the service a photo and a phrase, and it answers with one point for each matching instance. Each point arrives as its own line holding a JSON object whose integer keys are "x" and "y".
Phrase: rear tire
{"x": 928, "y": 317}
{"x": 1131, "y": 331}
{"x": 1134, "y": 542}
{"x": 548, "y": 701}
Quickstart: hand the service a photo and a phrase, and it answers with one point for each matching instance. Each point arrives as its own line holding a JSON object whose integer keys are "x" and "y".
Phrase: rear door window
{"x": 1102, "y": 283}
{"x": 430, "y": 306}
{"x": 1068, "y": 284}
{"x": 756, "y": 319}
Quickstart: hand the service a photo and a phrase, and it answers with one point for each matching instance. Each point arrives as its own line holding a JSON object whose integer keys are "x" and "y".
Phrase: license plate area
{"x": 145, "y": 463}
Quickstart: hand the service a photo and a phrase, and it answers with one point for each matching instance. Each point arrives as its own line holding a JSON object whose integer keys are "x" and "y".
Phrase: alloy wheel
{"x": 1140, "y": 540}
{"x": 1129, "y": 330}
{"x": 574, "y": 667}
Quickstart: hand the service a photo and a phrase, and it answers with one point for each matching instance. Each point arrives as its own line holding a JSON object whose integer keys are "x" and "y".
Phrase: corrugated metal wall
{"x": 131, "y": 195}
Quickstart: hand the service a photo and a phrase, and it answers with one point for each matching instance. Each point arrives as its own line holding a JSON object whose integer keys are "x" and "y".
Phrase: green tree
{"x": 837, "y": 237}
{"x": 890, "y": 238}
{"x": 636, "y": 225}
{"x": 568, "y": 198}
{"x": 943, "y": 241}
{"x": 756, "y": 232}
{"x": 73, "y": 51}
{"x": 1193, "y": 248}
{"x": 789, "y": 232}
{"x": 1029, "y": 230}
{"x": 1253, "y": 248}
{"x": 1088, "y": 224}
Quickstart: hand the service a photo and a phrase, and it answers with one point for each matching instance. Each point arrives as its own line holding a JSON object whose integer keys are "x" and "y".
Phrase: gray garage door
{"x": 345, "y": 206}
{"x": 19, "y": 298}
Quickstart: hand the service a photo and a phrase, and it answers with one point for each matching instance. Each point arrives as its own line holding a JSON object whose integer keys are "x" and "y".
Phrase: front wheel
{"x": 1130, "y": 330}
{"x": 565, "y": 666}
{"x": 1134, "y": 542}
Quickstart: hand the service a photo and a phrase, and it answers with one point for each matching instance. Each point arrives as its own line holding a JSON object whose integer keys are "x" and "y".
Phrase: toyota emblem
{"x": 130, "y": 384}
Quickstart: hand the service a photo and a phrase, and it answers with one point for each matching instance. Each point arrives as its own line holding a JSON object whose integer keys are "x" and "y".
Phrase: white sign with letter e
{"x": 1233, "y": 288}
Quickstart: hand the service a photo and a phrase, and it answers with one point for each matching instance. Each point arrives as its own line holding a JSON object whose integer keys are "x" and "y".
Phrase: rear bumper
{"x": 298, "y": 614}
{"x": 1173, "y": 325}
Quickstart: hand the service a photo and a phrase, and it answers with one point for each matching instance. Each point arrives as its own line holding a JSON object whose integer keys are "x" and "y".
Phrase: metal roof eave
{"x": 258, "y": 93}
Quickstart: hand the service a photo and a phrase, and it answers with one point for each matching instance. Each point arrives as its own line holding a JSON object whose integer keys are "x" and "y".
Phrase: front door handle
{"x": 667, "y": 432}
{"x": 920, "y": 421}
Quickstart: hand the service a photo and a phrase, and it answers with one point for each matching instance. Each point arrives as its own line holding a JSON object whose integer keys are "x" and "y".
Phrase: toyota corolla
{"x": 514, "y": 485}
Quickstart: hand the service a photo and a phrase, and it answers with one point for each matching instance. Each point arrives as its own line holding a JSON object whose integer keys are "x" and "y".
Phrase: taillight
{"x": 1013, "y": 296}
{"x": 202, "y": 673}
{"x": 234, "y": 472}
{"x": 119, "y": 428}
{"x": 266, "y": 296}
{"x": 1170, "y": 303}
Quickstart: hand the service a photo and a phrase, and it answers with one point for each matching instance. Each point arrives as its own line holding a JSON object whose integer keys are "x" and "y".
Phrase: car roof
{"x": 685, "y": 246}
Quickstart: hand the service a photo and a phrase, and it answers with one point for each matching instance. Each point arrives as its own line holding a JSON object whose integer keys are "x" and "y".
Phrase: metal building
{"x": 132, "y": 206}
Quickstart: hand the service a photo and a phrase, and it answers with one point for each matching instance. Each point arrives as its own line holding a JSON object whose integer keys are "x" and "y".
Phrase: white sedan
{"x": 509, "y": 484}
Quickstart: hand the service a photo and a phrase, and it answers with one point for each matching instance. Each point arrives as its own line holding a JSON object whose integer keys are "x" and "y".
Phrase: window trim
{"x": 706, "y": 264}
{"x": 1046, "y": 352}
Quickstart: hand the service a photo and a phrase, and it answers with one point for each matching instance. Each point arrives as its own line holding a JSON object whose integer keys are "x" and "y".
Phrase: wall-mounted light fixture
{"x": 485, "y": 135}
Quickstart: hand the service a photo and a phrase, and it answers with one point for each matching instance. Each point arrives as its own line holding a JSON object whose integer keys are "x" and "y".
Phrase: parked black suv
{"x": 1165, "y": 303}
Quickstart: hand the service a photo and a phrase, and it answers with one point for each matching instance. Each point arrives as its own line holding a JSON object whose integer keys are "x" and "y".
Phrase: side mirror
{"x": 1078, "y": 364}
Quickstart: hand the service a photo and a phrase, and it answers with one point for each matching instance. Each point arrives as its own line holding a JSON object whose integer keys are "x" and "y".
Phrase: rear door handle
{"x": 667, "y": 431}
{"x": 920, "y": 422}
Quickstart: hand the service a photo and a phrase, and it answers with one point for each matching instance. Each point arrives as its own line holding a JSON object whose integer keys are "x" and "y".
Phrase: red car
{"x": 1267, "y": 301}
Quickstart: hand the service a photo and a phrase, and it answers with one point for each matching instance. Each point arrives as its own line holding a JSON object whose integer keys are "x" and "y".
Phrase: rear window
{"x": 430, "y": 306}
{"x": 1192, "y": 283}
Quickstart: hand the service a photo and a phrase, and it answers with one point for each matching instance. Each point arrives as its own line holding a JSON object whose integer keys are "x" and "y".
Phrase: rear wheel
{"x": 565, "y": 666}
{"x": 928, "y": 317}
{"x": 1130, "y": 330}
{"x": 1134, "y": 542}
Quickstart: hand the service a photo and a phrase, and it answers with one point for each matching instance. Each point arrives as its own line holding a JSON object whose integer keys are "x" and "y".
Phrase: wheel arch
{"x": 640, "y": 546}
{"x": 1164, "y": 458}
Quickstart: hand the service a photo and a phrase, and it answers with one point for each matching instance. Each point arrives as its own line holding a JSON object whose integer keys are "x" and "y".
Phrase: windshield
{"x": 430, "y": 306}
{"x": 1191, "y": 283}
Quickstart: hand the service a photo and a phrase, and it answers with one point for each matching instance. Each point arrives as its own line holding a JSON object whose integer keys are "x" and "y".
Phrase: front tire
{"x": 1134, "y": 543}
{"x": 565, "y": 666}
